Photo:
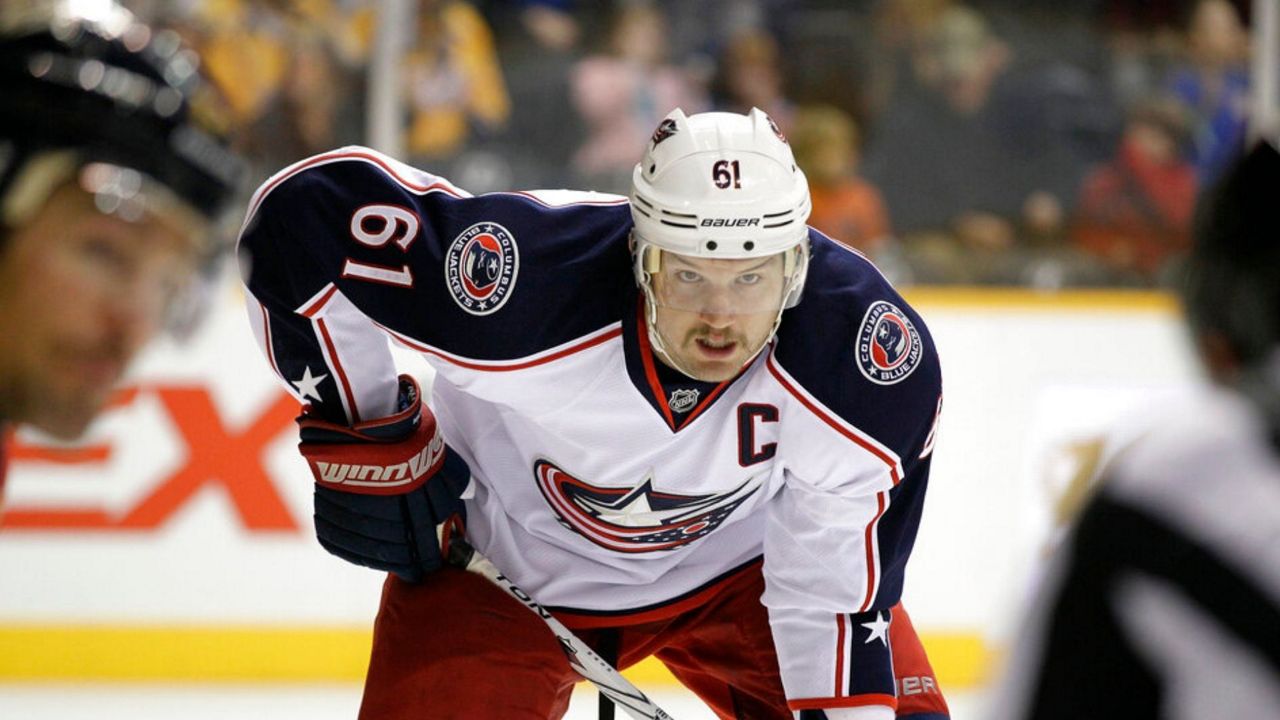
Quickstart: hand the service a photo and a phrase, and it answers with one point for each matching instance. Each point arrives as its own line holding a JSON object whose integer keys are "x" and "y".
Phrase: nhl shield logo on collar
{"x": 480, "y": 268}
{"x": 682, "y": 400}
{"x": 889, "y": 348}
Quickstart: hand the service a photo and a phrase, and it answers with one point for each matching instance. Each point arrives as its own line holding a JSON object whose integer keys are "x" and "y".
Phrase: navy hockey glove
{"x": 383, "y": 486}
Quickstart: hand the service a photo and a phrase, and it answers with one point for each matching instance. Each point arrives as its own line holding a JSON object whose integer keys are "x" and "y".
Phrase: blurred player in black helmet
{"x": 112, "y": 177}
{"x": 1165, "y": 602}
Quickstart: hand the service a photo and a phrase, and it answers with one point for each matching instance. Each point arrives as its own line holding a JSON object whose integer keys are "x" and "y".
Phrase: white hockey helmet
{"x": 720, "y": 185}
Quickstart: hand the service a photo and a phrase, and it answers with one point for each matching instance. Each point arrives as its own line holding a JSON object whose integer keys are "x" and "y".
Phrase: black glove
{"x": 383, "y": 487}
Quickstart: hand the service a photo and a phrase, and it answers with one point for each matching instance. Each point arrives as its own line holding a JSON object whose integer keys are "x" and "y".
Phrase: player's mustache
{"x": 724, "y": 336}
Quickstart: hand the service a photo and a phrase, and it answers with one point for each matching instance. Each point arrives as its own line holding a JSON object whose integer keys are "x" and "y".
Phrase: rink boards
{"x": 174, "y": 542}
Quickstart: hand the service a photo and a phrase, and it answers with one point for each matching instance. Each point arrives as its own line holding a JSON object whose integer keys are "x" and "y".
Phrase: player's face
{"x": 714, "y": 315}
{"x": 80, "y": 293}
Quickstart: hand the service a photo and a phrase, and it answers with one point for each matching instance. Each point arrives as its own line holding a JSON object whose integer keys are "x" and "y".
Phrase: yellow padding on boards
{"x": 259, "y": 654}
{"x": 183, "y": 653}
{"x": 1023, "y": 300}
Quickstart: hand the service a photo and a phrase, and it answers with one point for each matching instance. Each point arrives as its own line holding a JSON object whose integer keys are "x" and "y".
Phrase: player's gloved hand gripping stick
{"x": 387, "y": 496}
{"x": 584, "y": 660}
{"x": 383, "y": 486}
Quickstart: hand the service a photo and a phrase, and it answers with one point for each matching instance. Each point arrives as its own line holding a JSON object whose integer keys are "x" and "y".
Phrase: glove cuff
{"x": 368, "y": 459}
{"x": 391, "y": 429}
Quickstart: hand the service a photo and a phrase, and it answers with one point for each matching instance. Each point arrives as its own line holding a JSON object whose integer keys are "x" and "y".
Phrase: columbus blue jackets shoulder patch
{"x": 480, "y": 268}
{"x": 889, "y": 347}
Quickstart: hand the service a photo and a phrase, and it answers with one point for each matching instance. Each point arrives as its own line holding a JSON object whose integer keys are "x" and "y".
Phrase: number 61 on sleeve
{"x": 375, "y": 226}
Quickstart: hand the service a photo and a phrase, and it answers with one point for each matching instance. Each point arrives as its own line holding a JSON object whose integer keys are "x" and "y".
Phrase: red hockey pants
{"x": 456, "y": 646}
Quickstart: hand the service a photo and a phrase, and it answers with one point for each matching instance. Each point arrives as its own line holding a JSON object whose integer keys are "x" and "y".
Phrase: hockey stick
{"x": 581, "y": 657}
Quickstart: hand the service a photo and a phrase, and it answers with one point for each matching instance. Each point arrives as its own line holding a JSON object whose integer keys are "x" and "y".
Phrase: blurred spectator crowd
{"x": 1011, "y": 142}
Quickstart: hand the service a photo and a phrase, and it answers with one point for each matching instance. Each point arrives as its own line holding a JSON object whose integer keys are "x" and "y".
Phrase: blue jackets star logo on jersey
{"x": 889, "y": 347}
{"x": 639, "y": 519}
{"x": 481, "y": 266}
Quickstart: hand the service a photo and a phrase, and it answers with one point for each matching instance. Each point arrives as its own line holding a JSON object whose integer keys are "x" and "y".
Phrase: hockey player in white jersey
{"x": 1163, "y": 601}
{"x": 690, "y": 425}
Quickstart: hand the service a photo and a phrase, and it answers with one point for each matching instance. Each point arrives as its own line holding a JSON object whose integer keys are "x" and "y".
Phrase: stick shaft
{"x": 582, "y": 658}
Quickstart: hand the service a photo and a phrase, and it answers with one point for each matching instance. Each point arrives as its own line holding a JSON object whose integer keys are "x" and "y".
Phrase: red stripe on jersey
{"x": 835, "y": 424}
{"x": 312, "y": 309}
{"x": 840, "y": 653}
{"x": 650, "y": 371}
{"x": 341, "y": 374}
{"x": 872, "y": 557}
{"x": 317, "y": 302}
{"x": 335, "y": 156}
{"x": 844, "y": 702}
{"x": 706, "y": 401}
{"x": 498, "y": 366}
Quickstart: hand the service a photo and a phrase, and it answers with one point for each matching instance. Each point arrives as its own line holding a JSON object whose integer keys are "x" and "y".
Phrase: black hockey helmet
{"x": 1232, "y": 286}
{"x": 115, "y": 93}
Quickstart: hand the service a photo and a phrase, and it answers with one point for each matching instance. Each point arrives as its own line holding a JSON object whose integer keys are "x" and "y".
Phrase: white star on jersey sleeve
{"x": 878, "y": 630}
{"x": 307, "y": 384}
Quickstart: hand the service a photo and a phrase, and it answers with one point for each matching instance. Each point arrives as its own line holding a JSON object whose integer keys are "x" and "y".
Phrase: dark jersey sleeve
{"x": 344, "y": 250}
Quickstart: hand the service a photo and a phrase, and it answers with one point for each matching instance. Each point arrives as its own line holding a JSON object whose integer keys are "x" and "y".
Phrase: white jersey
{"x": 610, "y": 487}
{"x": 1164, "y": 601}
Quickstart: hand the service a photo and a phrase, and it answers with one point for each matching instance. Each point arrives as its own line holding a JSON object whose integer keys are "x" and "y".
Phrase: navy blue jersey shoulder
{"x": 861, "y": 350}
{"x": 491, "y": 277}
